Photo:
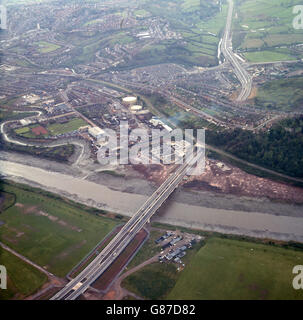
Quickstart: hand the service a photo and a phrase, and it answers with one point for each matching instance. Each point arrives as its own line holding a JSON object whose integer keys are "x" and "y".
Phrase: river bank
{"x": 275, "y": 220}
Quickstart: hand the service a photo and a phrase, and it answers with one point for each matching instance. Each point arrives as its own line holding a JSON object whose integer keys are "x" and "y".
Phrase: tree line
{"x": 279, "y": 149}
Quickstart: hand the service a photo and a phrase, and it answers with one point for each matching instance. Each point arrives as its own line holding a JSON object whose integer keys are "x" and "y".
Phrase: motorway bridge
{"x": 109, "y": 254}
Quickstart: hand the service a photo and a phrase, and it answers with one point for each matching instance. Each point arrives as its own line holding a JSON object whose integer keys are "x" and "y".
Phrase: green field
{"x": 263, "y": 30}
{"x": 148, "y": 250}
{"x": 199, "y": 23}
{"x": 200, "y": 28}
{"x": 59, "y": 154}
{"x": 141, "y": 13}
{"x": 22, "y": 278}
{"x": 153, "y": 281}
{"x": 156, "y": 280}
{"x": 268, "y": 56}
{"x": 53, "y": 129}
{"x": 61, "y": 128}
{"x": 222, "y": 269}
{"x": 13, "y": 115}
{"x": 6, "y": 200}
{"x": 88, "y": 23}
{"x": 53, "y": 233}
{"x": 230, "y": 269}
{"x": 121, "y": 38}
{"x": 22, "y": 130}
{"x": 46, "y": 47}
{"x": 284, "y": 94}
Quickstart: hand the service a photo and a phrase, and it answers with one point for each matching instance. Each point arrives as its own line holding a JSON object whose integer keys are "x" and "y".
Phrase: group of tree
{"x": 280, "y": 148}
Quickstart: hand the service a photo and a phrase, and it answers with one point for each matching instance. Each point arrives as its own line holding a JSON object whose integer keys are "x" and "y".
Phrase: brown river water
{"x": 253, "y": 224}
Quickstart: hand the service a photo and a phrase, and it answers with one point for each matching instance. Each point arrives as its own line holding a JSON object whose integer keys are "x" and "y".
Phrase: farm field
{"x": 153, "y": 281}
{"x": 148, "y": 250}
{"x": 6, "y": 200}
{"x": 263, "y": 30}
{"x": 199, "y": 25}
{"x": 268, "y": 56}
{"x": 23, "y": 279}
{"x": 230, "y": 269}
{"x": 156, "y": 280}
{"x": 46, "y": 47}
{"x": 52, "y": 232}
{"x": 142, "y": 13}
{"x": 88, "y": 23}
{"x": 284, "y": 94}
{"x": 221, "y": 269}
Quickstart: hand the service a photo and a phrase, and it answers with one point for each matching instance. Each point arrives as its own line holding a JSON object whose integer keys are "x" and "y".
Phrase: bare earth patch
{"x": 221, "y": 178}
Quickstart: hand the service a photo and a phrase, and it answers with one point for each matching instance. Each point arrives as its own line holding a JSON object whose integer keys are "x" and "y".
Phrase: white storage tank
{"x": 129, "y": 100}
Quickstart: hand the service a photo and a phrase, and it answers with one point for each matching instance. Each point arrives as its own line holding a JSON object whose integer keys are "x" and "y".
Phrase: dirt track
{"x": 116, "y": 292}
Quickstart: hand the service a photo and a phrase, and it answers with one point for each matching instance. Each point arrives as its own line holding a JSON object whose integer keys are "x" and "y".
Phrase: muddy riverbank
{"x": 226, "y": 214}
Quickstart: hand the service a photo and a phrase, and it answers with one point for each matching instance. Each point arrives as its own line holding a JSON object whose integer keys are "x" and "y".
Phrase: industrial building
{"x": 180, "y": 252}
{"x": 174, "y": 241}
{"x": 96, "y": 132}
{"x": 157, "y": 122}
{"x": 164, "y": 237}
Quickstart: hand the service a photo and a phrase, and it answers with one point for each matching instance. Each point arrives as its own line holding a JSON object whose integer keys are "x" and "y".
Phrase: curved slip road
{"x": 226, "y": 47}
